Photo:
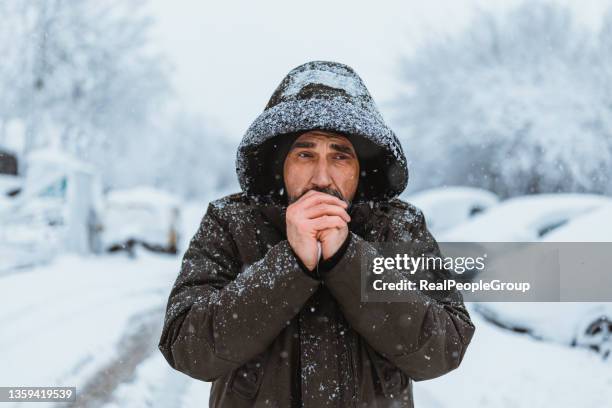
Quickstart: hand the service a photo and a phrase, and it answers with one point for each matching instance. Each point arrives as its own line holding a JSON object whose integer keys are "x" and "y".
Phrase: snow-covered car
{"x": 54, "y": 210}
{"x": 593, "y": 226}
{"x": 447, "y": 207}
{"x": 582, "y": 324}
{"x": 524, "y": 219}
{"x": 548, "y": 218}
{"x": 141, "y": 215}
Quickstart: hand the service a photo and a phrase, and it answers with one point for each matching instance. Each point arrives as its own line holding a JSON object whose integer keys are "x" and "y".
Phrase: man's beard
{"x": 325, "y": 190}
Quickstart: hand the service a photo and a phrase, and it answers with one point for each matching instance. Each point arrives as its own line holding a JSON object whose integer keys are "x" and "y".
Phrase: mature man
{"x": 267, "y": 304}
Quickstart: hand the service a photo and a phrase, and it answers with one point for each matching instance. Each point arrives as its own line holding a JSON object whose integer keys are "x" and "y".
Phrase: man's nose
{"x": 321, "y": 177}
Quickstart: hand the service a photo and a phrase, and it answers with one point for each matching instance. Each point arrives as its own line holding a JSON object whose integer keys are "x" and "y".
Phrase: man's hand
{"x": 332, "y": 239}
{"x": 316, "y": 217}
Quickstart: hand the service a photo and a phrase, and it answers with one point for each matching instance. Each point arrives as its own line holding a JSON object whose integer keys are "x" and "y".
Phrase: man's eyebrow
{"x": 302, "y": 144}
{"x": 343, "y": 149}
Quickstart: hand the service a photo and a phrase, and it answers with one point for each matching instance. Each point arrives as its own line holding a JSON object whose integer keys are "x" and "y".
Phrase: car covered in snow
{"x": 446, "y": 207}
{"x": 547, "y": 218}
{"x": 524, "y": 219}
{"x": 140, "y": 216}
{"x": 53, "y": 211}
{"x": 61, "y": 207}
{"x": 582, "y": 324}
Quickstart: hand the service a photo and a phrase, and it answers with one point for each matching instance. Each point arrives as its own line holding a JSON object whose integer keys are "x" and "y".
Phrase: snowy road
{"x": 93, "y": 323}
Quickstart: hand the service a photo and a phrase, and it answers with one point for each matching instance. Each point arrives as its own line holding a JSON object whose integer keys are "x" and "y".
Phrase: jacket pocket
{"x": 246, "y": 379}
{"x": 393, "y": 381}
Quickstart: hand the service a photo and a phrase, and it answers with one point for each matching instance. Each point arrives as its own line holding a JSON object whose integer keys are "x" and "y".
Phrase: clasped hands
{"x": 316, "y": 217}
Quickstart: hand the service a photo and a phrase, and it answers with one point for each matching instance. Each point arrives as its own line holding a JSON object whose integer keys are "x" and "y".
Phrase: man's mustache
{"x": 326, "y": 190}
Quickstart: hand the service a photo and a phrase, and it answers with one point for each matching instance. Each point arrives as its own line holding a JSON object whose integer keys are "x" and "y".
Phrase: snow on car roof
{"x": 595, "y": 226}
{"x": 520, "y": 219}
{"x": 447, "y": 207}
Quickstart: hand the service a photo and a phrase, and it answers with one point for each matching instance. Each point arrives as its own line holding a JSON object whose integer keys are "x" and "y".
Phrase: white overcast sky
{"x": 230, "y": 55}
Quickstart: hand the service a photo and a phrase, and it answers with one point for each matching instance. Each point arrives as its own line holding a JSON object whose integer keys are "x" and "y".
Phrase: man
{"x": 267, "y": 303}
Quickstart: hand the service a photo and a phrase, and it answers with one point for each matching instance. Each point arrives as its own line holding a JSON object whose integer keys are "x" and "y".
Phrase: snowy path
{"x": 137, "y": 344}
{"x": 156, "y": 385}
{"x": 84, "y": 322}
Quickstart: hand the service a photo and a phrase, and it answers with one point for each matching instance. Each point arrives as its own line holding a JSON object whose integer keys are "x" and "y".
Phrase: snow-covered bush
{"x": 516, "y": 104}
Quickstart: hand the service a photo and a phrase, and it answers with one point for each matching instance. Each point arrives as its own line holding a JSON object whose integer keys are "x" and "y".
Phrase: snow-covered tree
{"x": 517, "y": 104}
{"x": 202, "y": 160}
{"x": 80, "y": 75}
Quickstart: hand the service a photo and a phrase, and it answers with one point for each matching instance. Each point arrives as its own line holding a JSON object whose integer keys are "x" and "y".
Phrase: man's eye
{"x": 304, "y": 154}
{"x": 340, "y": 157}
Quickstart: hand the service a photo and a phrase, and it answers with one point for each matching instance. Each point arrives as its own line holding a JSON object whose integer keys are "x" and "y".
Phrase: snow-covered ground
{"x": 84, "y": 322}
{"x": 504, "y": 369}
{"x": 94, "y": 322}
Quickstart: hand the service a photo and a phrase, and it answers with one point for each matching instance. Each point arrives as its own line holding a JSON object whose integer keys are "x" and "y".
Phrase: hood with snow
{"x": 327, "y": 96}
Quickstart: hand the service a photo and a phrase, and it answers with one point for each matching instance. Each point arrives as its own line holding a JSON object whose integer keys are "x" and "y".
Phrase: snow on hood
{"x": 326, "y": 96}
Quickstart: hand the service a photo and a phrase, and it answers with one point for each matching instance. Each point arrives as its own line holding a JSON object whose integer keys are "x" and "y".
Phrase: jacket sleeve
{"x": 219, "y": 317}
{"x": 423, "y": 334}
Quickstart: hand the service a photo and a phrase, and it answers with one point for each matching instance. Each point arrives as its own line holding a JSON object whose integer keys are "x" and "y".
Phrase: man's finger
{"x": 328, "y": 221}
{"x": 319, "y": 210}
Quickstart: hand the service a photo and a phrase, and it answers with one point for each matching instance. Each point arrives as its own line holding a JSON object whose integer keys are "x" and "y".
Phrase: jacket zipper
{"x": 347, "y": 344}
{"x": 351, "y": 369}
{"x": 347, "y": 341}
{"x": 319, "y": 255}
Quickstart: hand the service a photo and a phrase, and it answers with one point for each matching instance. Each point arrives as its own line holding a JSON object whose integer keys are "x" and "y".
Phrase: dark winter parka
{"x": 246, "y": 315}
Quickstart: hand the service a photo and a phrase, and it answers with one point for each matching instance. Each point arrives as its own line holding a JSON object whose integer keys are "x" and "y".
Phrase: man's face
{"x": 324, "y": 162}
